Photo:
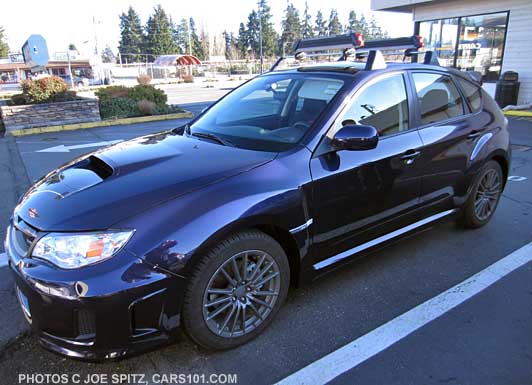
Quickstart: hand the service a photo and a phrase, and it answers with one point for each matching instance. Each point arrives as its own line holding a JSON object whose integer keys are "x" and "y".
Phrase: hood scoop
{"x": 96, "y": 165}
{"x": 84, "y": 174}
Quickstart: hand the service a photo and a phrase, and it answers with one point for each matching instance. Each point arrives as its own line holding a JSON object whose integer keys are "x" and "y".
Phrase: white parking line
{"x": 3, "y": 259}
{"x": 355, "y": 352}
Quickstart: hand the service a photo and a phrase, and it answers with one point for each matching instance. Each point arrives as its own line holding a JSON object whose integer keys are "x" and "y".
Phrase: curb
{"x": 518, "y": 113}
{"x": 101, "y": 123}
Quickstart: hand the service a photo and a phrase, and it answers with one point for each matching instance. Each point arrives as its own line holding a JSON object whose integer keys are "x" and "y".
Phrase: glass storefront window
{"x": 469, "y": 43}
{"x": 440, "y": 36}
{"x": 481, "y": 44}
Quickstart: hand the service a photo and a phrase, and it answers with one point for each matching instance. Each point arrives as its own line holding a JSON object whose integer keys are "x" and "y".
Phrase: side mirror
{"x": 355, "y": 137}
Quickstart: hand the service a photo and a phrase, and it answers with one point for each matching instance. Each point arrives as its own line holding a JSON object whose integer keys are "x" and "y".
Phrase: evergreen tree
{"x": 131, "y": 36}
{"x": 252, "y": 33}
{"x": 108, "y": 56}
{"x": 231, "y": 46}
{"x": 205, "y": 44}
{"x": 242, "y": 40}
{"x": 291, "y": 27}
{"x": 181, "y": 36}
{"x": 321, "y": 25}
{"x": 364, "y": 29}
{"x": 334, "y": 27}
{"x": 306, "y": 29}
{"x": 159, "y": 34}
{"x": 269, "y": 35}
{"x": 4, "y": 48}
{"x": 197, "y": 48}
{"x": 375, "y": 31}
{"x": 353, "y": 25}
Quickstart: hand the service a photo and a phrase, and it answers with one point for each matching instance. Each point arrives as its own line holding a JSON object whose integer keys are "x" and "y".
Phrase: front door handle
{"x": 474, "y": 134}
{"x": 410, "y": 156}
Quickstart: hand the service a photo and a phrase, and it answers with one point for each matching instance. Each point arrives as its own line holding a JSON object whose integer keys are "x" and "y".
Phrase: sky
{"x": 71, "y": 21}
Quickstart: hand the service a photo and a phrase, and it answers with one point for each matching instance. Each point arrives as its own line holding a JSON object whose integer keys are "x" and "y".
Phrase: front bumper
{"x": 111, "y": 309}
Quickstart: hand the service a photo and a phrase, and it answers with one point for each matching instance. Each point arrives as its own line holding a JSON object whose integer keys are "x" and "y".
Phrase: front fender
{"x": 173, "y": 234}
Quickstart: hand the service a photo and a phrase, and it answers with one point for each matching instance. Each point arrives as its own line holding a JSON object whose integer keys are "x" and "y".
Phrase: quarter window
{"x": 438, "y": 97}
{"x": 472, "y": 94}
{"x": 383, "y": 105}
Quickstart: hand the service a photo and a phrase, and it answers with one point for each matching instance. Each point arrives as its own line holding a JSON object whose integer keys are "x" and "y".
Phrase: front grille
{"x": 22, "y": 237}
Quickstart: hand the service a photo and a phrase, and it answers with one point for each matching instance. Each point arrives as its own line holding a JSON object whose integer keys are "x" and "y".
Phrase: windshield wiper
{"x": 213, "y": 137}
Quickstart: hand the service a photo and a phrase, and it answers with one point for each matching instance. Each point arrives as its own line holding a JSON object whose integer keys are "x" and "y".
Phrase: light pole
{"x": 70, "y": 69}
{"x": 260, "y": 34}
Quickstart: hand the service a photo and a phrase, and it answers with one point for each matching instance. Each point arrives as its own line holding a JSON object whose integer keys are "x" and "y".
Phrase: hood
{"x": 109, "y": 185}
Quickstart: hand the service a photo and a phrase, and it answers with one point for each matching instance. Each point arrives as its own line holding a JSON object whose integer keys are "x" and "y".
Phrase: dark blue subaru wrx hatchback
{"x": 205, "y": 227}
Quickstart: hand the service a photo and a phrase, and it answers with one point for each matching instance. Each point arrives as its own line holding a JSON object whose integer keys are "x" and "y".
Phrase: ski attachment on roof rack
{"x": 323, "y": 43}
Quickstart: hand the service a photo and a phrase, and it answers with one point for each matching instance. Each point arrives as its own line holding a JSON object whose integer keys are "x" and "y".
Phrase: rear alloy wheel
{"x": 236, "y": 290}
{"x": 485, "y": 195}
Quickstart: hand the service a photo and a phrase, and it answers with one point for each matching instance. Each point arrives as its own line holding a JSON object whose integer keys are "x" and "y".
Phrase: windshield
{"x": 269, "y": 113}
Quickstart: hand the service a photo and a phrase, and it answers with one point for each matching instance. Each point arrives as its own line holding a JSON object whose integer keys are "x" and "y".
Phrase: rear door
{"x": 360, "y": 195}
{"x": 448, "y": 131}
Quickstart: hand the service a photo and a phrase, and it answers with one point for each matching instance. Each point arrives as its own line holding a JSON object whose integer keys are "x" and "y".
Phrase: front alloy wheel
{"x": 236, "y": 290}
{"x": 241, "y": 293}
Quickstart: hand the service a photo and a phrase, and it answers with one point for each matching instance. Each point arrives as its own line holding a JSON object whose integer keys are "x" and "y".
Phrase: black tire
{"x": 470, "y": 216}
{"x": 208, "y": 268}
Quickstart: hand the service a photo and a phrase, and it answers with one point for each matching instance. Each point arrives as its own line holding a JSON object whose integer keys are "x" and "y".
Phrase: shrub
{"x": 118, "y": 108}
{"x": 141, "y": 92}
{"x": 188, "y": 79}
{"x": 112, "y": 92}
{"x": 144, "y": 80}
{"x": 121, "y": 102}
{"x": 66, "y": 96}
{"x": 146, "y": 107}
{"x": 19, "y": 99}
{"x": 42, "y": 90}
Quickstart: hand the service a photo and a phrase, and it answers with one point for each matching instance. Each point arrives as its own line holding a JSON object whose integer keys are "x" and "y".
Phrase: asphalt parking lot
{"x": 485, "y": 339}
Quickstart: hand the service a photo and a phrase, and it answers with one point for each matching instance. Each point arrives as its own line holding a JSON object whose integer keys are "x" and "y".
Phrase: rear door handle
{"x": 410, "y": 156}
{"x": 474, "y": 134}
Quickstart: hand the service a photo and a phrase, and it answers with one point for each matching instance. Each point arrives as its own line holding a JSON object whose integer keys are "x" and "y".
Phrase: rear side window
{"x": 438, "y": 97}
{"x": 383, "y": 105}
{"x": 472, "y": 94}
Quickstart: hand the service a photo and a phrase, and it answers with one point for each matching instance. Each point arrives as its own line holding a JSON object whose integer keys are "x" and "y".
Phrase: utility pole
{"x": 260, "y": 35}
{"x": 70, "y": 69}
{"x": 189, "y": 38}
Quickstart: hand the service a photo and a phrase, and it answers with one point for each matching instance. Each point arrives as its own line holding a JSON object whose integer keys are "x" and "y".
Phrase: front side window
{"x": 438, "y": 97}
{"x": 269, "y": 113}
{"x": 383, "y": 105}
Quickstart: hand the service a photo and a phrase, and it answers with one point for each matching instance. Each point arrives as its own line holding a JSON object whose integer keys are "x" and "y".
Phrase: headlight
{"x": 71, "y": 251}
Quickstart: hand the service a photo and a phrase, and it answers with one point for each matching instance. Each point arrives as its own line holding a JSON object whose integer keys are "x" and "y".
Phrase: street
{"x": 484, "y": 340}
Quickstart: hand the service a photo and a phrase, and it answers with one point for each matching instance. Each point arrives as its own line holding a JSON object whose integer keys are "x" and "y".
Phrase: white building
{"x": 489, "y": 36}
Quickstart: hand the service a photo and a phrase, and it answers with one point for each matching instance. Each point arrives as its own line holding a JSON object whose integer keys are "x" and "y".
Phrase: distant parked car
{"x": 77, "y": 81}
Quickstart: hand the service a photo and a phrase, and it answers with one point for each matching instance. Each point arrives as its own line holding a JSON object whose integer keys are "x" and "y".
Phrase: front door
{"x": 361, "y": 195}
